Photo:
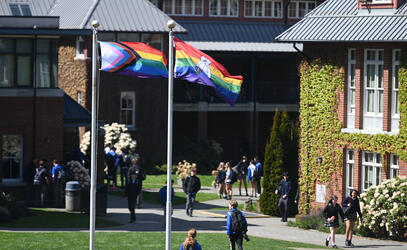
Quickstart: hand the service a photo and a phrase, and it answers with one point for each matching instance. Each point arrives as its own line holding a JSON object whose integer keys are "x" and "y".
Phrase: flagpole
{"x": 171, "y": 25}
{"x": 93, "y": 173}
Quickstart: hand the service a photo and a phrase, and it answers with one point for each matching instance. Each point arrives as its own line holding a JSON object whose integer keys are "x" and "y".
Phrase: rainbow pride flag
{"x": 194, "y": 66}
{"x": 133, "y": 59}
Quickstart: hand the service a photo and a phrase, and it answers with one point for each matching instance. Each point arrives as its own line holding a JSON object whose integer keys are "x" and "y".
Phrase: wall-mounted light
{"x": 319, "y": 160}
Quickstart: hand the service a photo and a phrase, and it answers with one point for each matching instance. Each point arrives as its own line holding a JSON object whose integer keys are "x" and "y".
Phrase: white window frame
{"x": 132, "y": 109}
{"x": 79, "y": 97}
{"x": 228, "y": 10}
{"x": 172, "y": 2}
{"x": 20, "y": 179}
{"x": 297, "y": 8}
{"x": 377, "y": 62}
{"x": 263, "y": 2}
{"x": 79, "y": 55}
{"x": 396, "y": 62}
{"x": 394, "y": 165}
{"x": 351, "y": 62}
{"x": 349, "y": 170}
{"x": 374, "y": 167}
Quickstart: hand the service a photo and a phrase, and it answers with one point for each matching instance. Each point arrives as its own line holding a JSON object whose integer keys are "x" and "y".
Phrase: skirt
{"x": 331, "y": 224}
{"x": 351, "y": 217}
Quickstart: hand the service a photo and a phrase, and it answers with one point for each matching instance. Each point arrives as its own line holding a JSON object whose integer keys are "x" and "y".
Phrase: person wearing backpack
{"x": 140, "y": 175}
{"x": 236, "y": 227}
{"x": 133, "y": 190}
{"x": 220, "y": 179}
{"x": 259, "y": 168}
{"x": 112, "y": 161}
{"x": 58, "y": 177}
{"x": 253, "y": 177}
{"x": 284, "y": 188}
{"x": 124, "y": 163}
{"x": 190, "y": 242}
{"x": 192, "y": 185}
{"x": 41, "y": 182}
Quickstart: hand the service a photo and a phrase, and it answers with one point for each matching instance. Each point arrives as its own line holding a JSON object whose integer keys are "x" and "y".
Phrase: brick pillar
{"x": 359, "y": 89}
{"x": 357, "y": 171}
{"x": 386, "y": 167}
{"x": 387, "y": 82}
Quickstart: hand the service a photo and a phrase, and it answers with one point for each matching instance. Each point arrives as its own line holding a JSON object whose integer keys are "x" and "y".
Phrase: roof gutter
{"x": 305, "y": 56}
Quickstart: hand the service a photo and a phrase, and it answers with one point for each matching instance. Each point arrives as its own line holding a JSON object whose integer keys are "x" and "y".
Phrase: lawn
{"x": 132, "y": 240}
{"x": 157, "y": 181}
{"x": 179, "y": 197}
{"x": 45, "y": 218}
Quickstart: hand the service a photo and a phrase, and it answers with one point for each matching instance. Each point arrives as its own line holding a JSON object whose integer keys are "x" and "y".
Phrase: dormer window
{"x": 20, "y": 9}
{"x": 379, "y": 4}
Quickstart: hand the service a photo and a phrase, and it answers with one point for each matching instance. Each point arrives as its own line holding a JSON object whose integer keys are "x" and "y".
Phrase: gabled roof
{"x": 341, "y": 21}
{"x": 113, "y": 15}
{"x": 234, "y": 36}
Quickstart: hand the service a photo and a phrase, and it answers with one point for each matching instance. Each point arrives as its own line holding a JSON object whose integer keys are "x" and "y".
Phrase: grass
{"x": 45, "y": 218}
{"x": 132, "y": 240}
{"x": 157, "y": 181}
{"x": 179, "y": 197}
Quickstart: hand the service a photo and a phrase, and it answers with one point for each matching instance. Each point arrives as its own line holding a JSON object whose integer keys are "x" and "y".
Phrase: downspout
{"x": 305, "y": 56}
{"x": 34, "y": 127}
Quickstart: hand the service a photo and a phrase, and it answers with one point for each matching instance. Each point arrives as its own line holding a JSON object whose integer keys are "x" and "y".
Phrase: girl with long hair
{"x": 228, "y": 180}
{"x": 220, "y": 179}
{"x": 190, "y": 242}
{"x": 352, "y": 206}
{"x": 330, "y": 213}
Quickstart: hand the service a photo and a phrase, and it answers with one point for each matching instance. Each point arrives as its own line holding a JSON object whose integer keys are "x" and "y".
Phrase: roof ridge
{"x": 352, "y": 16}
{"x": 89, "y": 14}
{"x": 52, "y": 7}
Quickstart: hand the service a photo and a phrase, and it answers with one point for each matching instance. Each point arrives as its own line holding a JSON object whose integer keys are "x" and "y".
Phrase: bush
{"x": 384, "y": 209}
{"x": 4, "y": 215}
{"x": 315, "y": 221}
{"x": 162, "y": 169}
{"x": 17, "y": 209}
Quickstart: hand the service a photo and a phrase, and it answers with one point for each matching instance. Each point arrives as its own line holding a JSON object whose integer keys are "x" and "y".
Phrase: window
{"x": 127, "y": 108}
{"x": 394, "y": 166}
{"x": 17, "y": 63}
{"x": 183, "y": 7}
{"x": 298, "y": 9}
{"x": 128, "y": 37}
{"x": 80, "y": 47}
{"x": 395, "y": 91}
{"x": 154, "y": 40}
{"x": 349, "y": 171}
{"x": 79, "y": 97}
{"x": 263, "y": 8}
{"x": 374, "y": 82}
{"x": 12, "y": 157}
{"x": 20, "y": 9}
{"x": 224, "y": 8}
{"x": 371, "y": 170}
{"x": 351, "y": 81}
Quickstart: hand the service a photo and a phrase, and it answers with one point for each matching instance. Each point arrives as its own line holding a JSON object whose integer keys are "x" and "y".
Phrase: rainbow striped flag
{"x": 194, "y": 66}
{"x": 133, "y": 59}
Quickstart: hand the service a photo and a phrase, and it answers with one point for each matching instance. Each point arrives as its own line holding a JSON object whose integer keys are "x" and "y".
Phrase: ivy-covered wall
{"x": 321, "y": 82}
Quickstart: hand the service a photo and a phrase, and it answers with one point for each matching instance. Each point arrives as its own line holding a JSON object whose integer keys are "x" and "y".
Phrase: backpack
{"x": 38, "y": 177}
{"x": 238, "y": 224}
{"x": 256, "y": 175}
{"x": 110, "y": 160}
{"x": 234, "y": 175}
{"x": 61, "y": 174}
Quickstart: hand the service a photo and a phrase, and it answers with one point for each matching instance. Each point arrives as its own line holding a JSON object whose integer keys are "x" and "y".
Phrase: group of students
{"x": 236, "y": 229}
{"x": 348, "y": 212}
{"x": 244, "y": 171}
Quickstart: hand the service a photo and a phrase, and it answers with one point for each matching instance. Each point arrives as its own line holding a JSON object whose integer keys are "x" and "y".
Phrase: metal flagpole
{"x": 171, "y": 25}
{"x": 95, "y": 25}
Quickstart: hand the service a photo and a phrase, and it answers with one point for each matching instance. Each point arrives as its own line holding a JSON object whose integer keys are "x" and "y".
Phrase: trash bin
{"x": 72, "y": 196}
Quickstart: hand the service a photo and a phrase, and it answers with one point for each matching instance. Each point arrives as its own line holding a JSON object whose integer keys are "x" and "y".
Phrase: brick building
{"x": 367, "y": 41}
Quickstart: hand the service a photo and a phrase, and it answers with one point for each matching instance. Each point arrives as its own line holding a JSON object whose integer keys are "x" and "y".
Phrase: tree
{"x": 273, "y": 168}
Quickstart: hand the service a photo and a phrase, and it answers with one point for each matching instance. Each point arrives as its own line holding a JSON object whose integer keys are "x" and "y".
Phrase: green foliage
{"x": 315, "y": 221}
{"x": 273, "y": 168}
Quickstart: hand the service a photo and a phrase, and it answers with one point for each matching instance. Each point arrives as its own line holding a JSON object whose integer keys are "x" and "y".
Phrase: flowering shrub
{"x": 184, "y": 169}
{"x": 115, "y": 135}
{"x": 384, "y": 209}
{"x": 78, "y": 173}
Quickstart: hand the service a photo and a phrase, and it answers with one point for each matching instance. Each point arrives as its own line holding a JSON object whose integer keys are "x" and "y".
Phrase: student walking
{"x": 241, "y": 168}
{"x": 140, "y": 175}
{"x": 112, "y": 161}
{"x": 229, "y": 180}
{"x": 330, "y": 213}
{"x": 133, "y": 189}
{"x": 351, "y": 206}
{"x": 163, "y": 198}
{"x": 236, "y": 227}
{"x": 253, "y": 177}
{"x": 220, "y": 179}
{"x": 190, "y": 242}
{"x": 284, "y": 189}
{"x": 192, "y": 185}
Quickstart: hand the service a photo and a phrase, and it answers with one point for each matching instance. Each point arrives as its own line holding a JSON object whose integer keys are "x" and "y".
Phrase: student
{"x": 140, "y": 175}
{"x": 253, "y": 177}
{"x": 284, "y": 188}
{"x": 242, "y": 170}
{"x": 191, "y": 186}
{"x": 58, "y": 176}
{"x": 330, "y": 213}
{"x": 229, "y": 180}
{"x": 351, "y": 204}
{"x": 133, "y": 189}
{"x": 190, "y": 242}
{"x": 41, "y": 182}
{"x": 220, "y": 179}
{"x": 112, "y": 161}
{"x": 236, "y": 227}
{"x": 163, "y": 198}
{"x": 259, "y": 168}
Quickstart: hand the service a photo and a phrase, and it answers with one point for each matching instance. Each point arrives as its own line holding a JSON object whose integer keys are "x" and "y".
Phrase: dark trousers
{"x": 123, "y": 175}
{"x": 112, "y": 176}
{"x": 132, "y": 207}
{"x": 236, "y": 239}
{"x": 40, "y": 192}
{"x": 259, "y": 186}
{"x": 283, "y": 207}
{"x": 190, "y": 202}
{"x": 56, "y": 193}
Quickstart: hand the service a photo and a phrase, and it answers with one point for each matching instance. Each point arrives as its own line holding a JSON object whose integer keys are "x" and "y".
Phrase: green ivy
{"x": 321, "y": 129}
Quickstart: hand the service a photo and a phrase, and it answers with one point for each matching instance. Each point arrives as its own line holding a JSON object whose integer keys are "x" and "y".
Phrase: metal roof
{"x": 113, "y": 15}
{"x": 234, "y": 36}
{"x": 341, "y": 21}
